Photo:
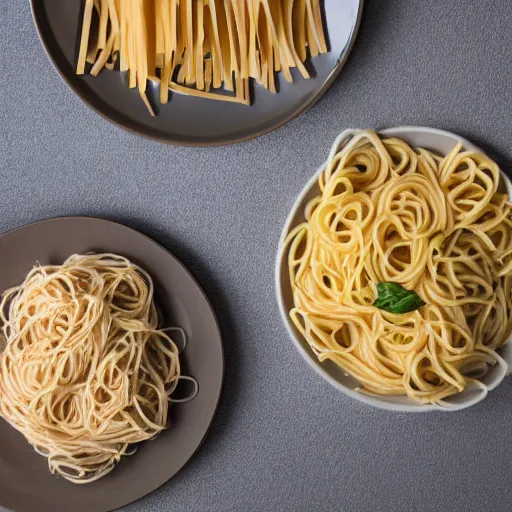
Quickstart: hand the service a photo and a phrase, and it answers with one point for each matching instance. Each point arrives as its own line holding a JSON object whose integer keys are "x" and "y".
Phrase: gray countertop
{"x": 283, "y": 439}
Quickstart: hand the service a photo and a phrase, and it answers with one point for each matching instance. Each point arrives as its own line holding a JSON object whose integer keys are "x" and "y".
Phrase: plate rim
{"x": 340, "y": 64}
{"x": 281, "y": 265}
{"x": 207, "y": 301}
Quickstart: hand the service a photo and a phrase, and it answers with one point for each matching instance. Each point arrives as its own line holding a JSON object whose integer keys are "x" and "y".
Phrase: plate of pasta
{"x": 111, "y": 366}
{"x": 198, "y": 72}
{"x": 394, "y": 270}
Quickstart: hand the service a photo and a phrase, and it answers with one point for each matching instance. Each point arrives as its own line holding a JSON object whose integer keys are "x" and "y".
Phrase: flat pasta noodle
{"x": 86, "y": 373}
{"x": 391, "y": 213}
{"x": 210, "y": 48}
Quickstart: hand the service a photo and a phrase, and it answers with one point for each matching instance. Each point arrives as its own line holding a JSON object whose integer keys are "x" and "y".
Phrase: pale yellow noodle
{"x": 388, "y": 212}
{"x": 86, "y": 373}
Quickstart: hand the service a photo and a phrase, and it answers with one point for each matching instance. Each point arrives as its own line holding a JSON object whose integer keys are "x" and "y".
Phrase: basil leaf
{"x": 394, "y": 298}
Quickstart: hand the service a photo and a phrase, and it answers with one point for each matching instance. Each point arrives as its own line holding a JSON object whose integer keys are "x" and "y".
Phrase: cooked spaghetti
{"x": 402, "y": 271}
{"x": 86, "y": 373}
{"x": 198, "y": 46}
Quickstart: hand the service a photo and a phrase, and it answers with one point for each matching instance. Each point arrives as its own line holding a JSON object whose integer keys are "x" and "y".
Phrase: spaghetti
{"x": 402, "y": 217}
{"x": 86, "y": 373}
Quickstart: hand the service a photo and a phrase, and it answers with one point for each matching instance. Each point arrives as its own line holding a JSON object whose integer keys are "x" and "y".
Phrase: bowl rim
{"x": 280, "y": 263}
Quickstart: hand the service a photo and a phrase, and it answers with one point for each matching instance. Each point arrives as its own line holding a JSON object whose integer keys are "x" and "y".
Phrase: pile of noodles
{"x": 85, "y": 373}
{"x": 438, "y": 226}
{"x": 203, "y": 48}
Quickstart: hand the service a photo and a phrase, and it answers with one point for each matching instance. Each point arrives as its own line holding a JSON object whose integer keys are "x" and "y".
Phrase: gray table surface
{"x": 283, "y": 439}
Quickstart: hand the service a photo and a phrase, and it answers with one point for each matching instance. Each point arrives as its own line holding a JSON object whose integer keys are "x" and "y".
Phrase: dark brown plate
{"x": 26, "y": 484}
{"x": 187, "y": 120}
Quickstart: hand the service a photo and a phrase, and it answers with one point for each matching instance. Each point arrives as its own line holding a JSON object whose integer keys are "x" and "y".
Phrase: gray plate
{"x": 186, "y": 120}
{"x": 26, "y": 484}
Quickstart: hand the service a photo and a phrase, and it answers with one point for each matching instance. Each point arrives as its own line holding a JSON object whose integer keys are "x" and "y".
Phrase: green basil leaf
{"x": 394, "y": 298}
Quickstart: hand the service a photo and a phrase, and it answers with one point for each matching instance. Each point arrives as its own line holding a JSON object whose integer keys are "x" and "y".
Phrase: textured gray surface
{"x": 283, "y": 439}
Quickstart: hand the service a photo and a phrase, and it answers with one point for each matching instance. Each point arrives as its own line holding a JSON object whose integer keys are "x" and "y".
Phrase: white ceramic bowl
{"x": 440, "y": 142}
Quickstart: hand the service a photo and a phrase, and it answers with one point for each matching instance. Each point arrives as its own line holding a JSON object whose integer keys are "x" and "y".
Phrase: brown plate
{"x": 26, "y": 484}
{"x": 187, "y": 120}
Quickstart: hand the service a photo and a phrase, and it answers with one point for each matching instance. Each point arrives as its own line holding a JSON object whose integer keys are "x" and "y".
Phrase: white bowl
{"x": 438, "y": 141}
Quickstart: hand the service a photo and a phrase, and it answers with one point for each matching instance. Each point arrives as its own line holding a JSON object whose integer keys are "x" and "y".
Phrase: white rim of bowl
{"x": 280, "y": 261}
